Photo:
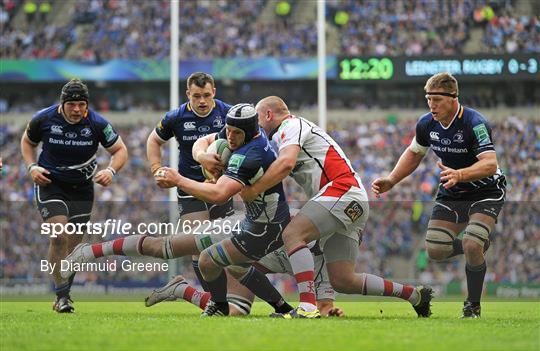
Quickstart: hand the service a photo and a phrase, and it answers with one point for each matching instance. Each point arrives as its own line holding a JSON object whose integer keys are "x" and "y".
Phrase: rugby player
{"x": 260, "y": 231}
{"x": 66, "y": 170}
{"x": 203, "y": 114}
{"x": 472, "y": 187}
{"x": 335, "y": 214}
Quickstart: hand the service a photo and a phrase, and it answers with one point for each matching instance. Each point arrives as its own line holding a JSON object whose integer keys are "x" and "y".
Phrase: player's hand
{"x": 336, "y": 312}
{"x": 381, "y": 185}
{"x": 248, "y": 194}
{"x": 212, "y": 163}
{"x": 38, "y": 175}
{"x": 103, "y": 177}
{"x": 167, "y": 177}
{"x": 327, "y": 308}
{"x": 449, "y": 176}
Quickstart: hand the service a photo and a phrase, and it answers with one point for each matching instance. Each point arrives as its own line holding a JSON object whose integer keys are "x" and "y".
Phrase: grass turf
{"x": 177, "y": 326}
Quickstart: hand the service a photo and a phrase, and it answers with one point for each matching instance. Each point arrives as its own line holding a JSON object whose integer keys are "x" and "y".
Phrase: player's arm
{"x": 119, "y": 156}
{"x": 153, "y": 151}
{"x": 278, "y": 170}
{"x": 407, "y": 163}
{"x": 210, "y": 162}
{"x": 29, "y": 151}
{"x": 485, "y": 166}
{"x": 217, "y": 193}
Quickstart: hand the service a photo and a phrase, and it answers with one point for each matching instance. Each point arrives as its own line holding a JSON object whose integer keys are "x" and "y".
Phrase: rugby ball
{"x": 221, "y": 148}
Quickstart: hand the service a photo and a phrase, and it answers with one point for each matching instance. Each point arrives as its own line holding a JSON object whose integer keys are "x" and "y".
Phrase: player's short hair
{"x": 444, "y": 81}
{"x": 200, "y": 79}
{"x": 74, "y": 90}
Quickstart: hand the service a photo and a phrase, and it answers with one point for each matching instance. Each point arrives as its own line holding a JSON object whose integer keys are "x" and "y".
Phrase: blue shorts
{"x": 256, "y": 240}
{"x": 75, "y": 201}
{"x": 459, "y": 208}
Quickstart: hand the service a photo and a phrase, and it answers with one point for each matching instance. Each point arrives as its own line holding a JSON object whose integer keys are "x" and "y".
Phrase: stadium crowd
{"x": 121, "y": 29}
{"x": 395, "y": 227}
{"x": 401, "y": 27}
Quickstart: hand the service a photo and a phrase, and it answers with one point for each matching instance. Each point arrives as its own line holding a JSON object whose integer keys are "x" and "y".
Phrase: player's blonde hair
{"x": 444, "y": 81}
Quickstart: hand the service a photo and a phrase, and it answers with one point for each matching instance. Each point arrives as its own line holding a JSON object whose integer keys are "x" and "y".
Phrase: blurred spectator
{"x": 30, "y": 9}
{"x": 509, "y": 34}
{"x": 121, "y": 29}
{"x": 401, "y": 27}
{"x": 44, "y": 10}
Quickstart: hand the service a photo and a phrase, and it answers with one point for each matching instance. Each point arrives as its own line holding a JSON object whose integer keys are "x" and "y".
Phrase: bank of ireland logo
{"x": 203, "y": 129}
{"x": 71, "y": 135}
{"x": 446, "y": 141}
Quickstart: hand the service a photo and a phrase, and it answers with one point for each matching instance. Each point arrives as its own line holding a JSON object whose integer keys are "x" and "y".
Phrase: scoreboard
{"x": 410, "y": 69}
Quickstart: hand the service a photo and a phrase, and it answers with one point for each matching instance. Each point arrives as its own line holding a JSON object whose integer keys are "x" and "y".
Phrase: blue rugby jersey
{"x": 459, "y": 144}
{"x": 187, "y": 127}
{"x": 246, "y": 165}
{"x": 69, "y": 150}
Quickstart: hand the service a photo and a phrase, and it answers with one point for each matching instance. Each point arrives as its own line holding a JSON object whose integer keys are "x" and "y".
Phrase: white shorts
{"x": 338, "y": 209}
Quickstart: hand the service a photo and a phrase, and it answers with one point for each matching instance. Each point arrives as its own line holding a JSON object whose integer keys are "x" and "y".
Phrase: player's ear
{"x": 187, "y": 93}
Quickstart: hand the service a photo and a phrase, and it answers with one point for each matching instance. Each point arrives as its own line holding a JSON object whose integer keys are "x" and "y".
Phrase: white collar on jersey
{"x": 453, "y": 119}
{"x": 202, "y": 116}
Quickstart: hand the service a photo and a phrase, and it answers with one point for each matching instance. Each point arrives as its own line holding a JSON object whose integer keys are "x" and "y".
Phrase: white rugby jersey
{"x": 320, "y": 160}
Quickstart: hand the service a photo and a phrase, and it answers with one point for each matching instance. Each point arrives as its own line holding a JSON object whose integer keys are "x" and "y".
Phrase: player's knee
{"x": 439, "y": 243}
{"x": 472, "y": 248}
{"x": 239, "y": 305}
{"x": 438, "y": 254}
{"x": 208, "y": 266}
{"x": 475, "y": 238}
{"x": 296, "y": 232}
{"x": 205, "y": 262}
{"x": 288, "y": 237}
{"x": 238, "y": 272}
{"x": 342, "y": 283}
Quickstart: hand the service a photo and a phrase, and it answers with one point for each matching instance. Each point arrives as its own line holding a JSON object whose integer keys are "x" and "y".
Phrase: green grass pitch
{"x": 373, "y": 325}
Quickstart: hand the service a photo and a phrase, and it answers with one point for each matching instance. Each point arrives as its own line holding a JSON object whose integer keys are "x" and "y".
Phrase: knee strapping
{"x": 440, "y": 236}
{"x": 242, "y": 304}
{"x": 440, "y": 239}
{"x": 239, "y": 272}
{"x": 166, "y": 249}
{"x": 219, "y": 255}
{"x": 477, "y": 231}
